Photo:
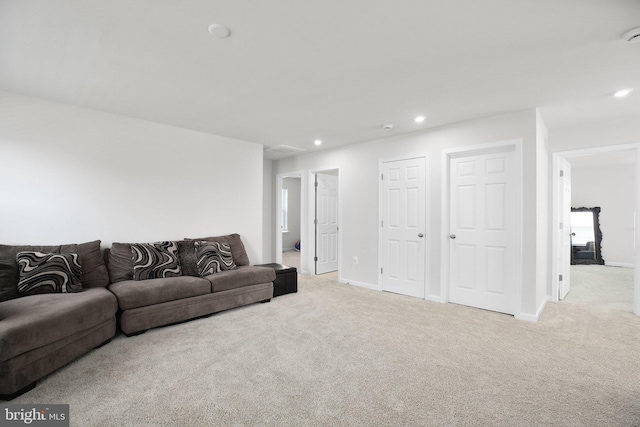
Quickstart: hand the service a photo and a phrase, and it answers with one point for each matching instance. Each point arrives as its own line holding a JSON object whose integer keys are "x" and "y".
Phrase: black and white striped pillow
{"x": 43, "y": 273}
{"x": 213, "y": 257}
{"x": 155, "y": 260}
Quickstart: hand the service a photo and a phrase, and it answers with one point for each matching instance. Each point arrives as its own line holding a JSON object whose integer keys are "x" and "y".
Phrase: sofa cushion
{"x": 41, "y": 273}
{"x": 120, "y": 262}
{"x": 134, "y": 294}
{"x": 8, "y": 279}
{"x": 94, "y": 271}
{"x": 237, "y": 247}
{"x": 187, "y": 257}
{"x": 31, "y": 322}
{"x": 245, "y": 275}
{"x": 213, "y": 257}
{"x": 155, "y": 260}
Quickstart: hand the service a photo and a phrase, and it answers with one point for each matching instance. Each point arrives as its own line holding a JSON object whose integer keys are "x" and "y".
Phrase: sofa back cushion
{"x": 238, "y": 252}
{"x": 8, "y": 278}
{"x": 120, "y": 262}
{"x": 94, "y": 271}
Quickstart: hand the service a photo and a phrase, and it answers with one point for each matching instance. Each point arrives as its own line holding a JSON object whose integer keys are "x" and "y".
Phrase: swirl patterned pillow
{"x": 213, "y": 257}
{"x": 155, "y": 260}
{"x": 43, "y": 273}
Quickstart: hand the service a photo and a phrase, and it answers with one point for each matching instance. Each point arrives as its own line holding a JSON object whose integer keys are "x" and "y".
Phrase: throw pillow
{"x": 238, "y": 251}
{"x": 187, "y": 257}
{"x": 42, "y": 273}
{"x": 155, "y": 260}
{"x": 213, "y": 257}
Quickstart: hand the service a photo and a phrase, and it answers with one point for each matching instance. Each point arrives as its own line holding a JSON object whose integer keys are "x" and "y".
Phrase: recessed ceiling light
{"x": 219, "y": 31}
{"x": 317, "y": 142}
{"x": 622, "y": 92}
{"x": 419, "y": 119}
{"x": 387, "y": 127}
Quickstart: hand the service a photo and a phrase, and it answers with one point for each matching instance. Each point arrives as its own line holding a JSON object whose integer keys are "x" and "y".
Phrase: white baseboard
{"x": 533, "y": 317}
{"x": 288, "y": 249}
{"x": 359, "y": 284}
{"x": 434, "y": 299}
{"x": 619, "y": 264}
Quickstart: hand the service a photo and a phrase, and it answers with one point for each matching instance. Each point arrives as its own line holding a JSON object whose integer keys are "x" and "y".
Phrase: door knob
{"x": 420, "y": 235}
{"x": 573, "y": 234}
{"x": 453, "y": 236}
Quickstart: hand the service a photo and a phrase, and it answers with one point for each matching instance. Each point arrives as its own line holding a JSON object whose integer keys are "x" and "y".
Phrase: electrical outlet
{"x": 355, "y": 260}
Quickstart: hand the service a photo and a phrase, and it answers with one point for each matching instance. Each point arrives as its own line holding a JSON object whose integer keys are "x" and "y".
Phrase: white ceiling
{"x": 295, "y": 71}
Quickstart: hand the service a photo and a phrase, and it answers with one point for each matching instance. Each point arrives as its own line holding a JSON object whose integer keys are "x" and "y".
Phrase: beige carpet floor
{"x": 338, "y": 355}
{"x": 601, "y": 287}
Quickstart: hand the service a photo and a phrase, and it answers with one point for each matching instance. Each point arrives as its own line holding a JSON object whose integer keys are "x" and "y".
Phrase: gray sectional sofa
{"x": 41, "y": 333}
{"x": 157, "y": 302}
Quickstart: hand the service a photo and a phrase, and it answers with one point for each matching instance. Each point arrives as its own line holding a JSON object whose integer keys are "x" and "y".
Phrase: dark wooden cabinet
{"x": 286, "y": 279}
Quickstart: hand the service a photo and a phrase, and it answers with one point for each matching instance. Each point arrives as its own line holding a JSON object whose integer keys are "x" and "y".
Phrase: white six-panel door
{"x": 403, "y": 226}
{"x": 326, "y": 223}
{"x": 482, "y": 239}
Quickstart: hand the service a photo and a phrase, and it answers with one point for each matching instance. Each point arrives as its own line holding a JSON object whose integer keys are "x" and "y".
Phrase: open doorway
{"x": 601, "y": 183}
{"x": 291, "y": 214}
{"x": 290, "y": 247}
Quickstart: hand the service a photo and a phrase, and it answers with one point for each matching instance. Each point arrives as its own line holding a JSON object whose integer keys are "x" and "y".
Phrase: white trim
{"x": 533, "y": 317}
{"x": 636, "y": 272}
{"x": 556, "y": 236}
{"x": 427, "y": 222}
{"x": 434, "y": 298}
{"x": 447, "y": 155}
{"x": 358, "y": 284}
{"x": 619, "y": 264}
{"x": 556, "y": 211}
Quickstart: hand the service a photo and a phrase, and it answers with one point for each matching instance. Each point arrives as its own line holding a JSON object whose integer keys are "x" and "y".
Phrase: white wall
{"x": 268, "y": 220}
{"x": 596, "y": 134}
{"x": 70, "y": 174}
{"x": 290, "y": 237}
{"x": 359, "y": 194}
{"x": 612, "y": 188}
{"x": 543, "y": 237}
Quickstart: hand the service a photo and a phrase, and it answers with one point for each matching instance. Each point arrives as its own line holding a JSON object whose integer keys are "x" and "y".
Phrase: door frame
{"x": 559, "y": 200}
{"x": 556, "y": 211}
{"x": 447, "y": 155}
{"x": 278, "y": 236}
{"x": 427, "y": 240}
{"x": 310, "y": 216}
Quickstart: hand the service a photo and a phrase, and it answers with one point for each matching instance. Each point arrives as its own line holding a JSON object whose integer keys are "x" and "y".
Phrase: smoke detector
{"x": 632, "y": 36}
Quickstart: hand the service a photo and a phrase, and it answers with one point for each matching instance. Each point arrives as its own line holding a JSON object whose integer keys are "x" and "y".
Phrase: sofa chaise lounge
{"x": 43, "y": 332}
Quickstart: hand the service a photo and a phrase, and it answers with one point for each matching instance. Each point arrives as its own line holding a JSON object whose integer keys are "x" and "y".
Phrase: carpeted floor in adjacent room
{"x": 338, "y": 355}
